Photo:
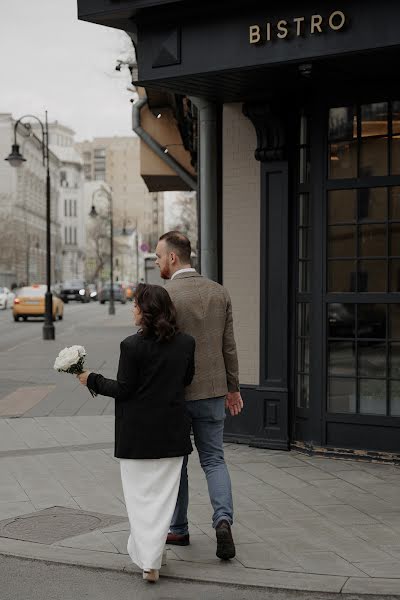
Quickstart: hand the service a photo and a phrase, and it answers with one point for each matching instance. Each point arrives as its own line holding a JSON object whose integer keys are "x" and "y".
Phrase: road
{"x": 26, "y": 360}
{"x": 13, "y": 333}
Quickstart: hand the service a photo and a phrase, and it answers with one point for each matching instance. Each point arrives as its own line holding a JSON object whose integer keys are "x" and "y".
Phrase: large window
{"x": 363, "y": 260}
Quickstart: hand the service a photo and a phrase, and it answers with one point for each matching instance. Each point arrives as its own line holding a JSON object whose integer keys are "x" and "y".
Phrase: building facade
{"x": 116, "y": 161}
{"x": 71, "y": 208}
{"x": 307, "y": 130}
{"x": 23, "y": 210}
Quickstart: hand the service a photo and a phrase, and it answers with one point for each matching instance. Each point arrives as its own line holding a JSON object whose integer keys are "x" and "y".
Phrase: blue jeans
{"x": 207, "y": 418}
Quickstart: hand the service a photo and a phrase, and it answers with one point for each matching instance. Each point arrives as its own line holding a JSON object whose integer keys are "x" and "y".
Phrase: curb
{"x": 223, "y": 573}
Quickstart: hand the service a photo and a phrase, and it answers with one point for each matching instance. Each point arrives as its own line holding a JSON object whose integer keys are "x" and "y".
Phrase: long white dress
{"x": 150, "y": 489}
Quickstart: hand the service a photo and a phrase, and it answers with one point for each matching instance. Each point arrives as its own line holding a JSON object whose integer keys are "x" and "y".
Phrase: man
{"x": 205, "y": 312}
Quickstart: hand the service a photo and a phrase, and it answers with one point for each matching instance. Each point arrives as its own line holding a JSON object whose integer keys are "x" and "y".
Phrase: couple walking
{"x": 179, "y": 372}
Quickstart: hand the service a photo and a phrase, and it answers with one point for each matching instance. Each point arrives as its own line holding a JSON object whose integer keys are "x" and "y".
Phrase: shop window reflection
{"x": 372, "y": 204}
{"x": 373, "y": 396}
{"x": 342, "y": 395}
{"x": 342, "y": 241}
{"x": 342, "y": 206}
{"x": 341, "y": 320}
{"x": 342, "y": 358}
{"x": 342, "y": 276}
{"x": 395, "y": 398}
{"x": 395, "y": 276}
{"x": 371, "y": 321}
{"x": 372, "y": 359}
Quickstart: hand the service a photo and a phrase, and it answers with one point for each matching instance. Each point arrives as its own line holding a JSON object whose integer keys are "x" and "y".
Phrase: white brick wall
{"x": 241, "y": 236}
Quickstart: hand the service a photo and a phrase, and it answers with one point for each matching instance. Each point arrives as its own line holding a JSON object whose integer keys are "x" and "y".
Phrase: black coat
{"x": 150, "y": 416}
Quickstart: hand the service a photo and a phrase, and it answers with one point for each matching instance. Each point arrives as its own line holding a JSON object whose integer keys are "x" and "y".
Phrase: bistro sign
{"x": 296, "y": 27}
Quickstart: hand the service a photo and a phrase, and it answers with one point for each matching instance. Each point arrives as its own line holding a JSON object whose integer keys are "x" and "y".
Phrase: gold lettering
{"x": 316, "y": 21}
{"x": 338, "y": 25}
{"x": 268, "y": 32}
{"x": 255, "y": 35}
{"x": 298, "y": 21}
{"x": 281, "y": 26}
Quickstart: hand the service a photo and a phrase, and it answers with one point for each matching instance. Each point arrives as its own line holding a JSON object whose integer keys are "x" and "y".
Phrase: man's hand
{"x": 83, "y": 377}
{"x": 234, "y": 402}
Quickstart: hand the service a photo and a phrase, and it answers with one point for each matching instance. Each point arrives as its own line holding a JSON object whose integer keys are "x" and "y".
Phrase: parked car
{"x": 76, "y": 289}
{"x": 119, "y": 293}
{"x": 129, "y": 289}
{"x": 6, "y": 298}
{"x": 29, "y": 302}
{"x": 93, "y": 291}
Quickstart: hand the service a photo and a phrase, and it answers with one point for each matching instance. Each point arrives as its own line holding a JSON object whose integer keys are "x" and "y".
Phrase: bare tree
{"x": 98, "y": 248}
{"x": 185, "y": 215}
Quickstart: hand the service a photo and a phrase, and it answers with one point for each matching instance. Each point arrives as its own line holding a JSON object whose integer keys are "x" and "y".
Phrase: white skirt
{"x": 150, "y": 489}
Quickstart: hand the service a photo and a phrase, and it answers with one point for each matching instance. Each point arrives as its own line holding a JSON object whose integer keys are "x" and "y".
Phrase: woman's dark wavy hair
{"x": 158, "y": 312}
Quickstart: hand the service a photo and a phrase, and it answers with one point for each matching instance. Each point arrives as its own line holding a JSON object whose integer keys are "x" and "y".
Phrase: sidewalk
{"x": 311, "y": 524}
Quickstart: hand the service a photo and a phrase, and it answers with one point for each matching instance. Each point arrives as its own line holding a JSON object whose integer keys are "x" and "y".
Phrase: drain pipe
{"x": 208, "y": 187}
{"x": 157, "y": 148}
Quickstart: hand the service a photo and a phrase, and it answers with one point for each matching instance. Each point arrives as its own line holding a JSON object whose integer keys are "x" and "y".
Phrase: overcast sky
{"x": 51, "y": 60}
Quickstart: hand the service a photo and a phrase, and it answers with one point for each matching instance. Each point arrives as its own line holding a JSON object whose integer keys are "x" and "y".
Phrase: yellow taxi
{"x": 29, "y": 302}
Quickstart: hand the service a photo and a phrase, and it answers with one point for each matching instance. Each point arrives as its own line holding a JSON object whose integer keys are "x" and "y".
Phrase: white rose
{"x": 68, "y": 357}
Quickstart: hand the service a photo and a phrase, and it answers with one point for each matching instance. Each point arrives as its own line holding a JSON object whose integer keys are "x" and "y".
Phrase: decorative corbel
{"x": 270, "y": 130}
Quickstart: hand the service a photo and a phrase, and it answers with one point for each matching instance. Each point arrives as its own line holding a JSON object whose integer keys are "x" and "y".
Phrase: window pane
{"x": 342, "y": 241}
{"x": 304, "y": 210}
{"x": 395, "y": 203}
{"x": 374, "y": 119}
{"x": 371, "y": 359}
{"x": 303, "y": 355}
{"x": 304, "y": 275}
{"x": 395, "y": 161}
{"x": 372, "y": 276}
{"x": 373, "y": 157}
{"x": 304, "y": 242}
{"x": 303, "y": 320}
{"x": 394, "y": 322}
{"x": 396, "y": 116}
{"x": 394, "y": 360}
{"x": 395, "y": 275}
{"x": 341, "y": 320}
{"x": 343, "y": 160}
{"x": 394, "y": 239}
{"x": 372, "y": 396}
{"x": 303, "y": 391}
{"x": 395, "y": 398}
{"x": 371, "y": 322}
{"x": 372, "y": 204}
{"x": 342, "y": 395}
{"x": 342, "y": 123}
{"x": 372, "y": 240}
{"x": 341, "y": 360}
{"x": 342, "y": 206}
{"x": 341, "y": 275}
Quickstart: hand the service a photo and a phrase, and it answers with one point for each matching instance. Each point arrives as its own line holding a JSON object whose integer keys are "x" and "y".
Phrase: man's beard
{"x": 165, "y": 273}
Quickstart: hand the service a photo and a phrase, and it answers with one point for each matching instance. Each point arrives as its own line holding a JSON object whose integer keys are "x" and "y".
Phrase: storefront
{"x": 309, "y": 175}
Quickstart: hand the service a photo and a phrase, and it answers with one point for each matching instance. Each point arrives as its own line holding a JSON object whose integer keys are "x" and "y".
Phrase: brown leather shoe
{"x": 225, "y": 545}
{"x": 177, "y": 539}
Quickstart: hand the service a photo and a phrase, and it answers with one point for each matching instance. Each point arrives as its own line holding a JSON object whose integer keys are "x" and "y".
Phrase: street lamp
{"x": 93, "y": 213}
{"x": 15, "y": 159}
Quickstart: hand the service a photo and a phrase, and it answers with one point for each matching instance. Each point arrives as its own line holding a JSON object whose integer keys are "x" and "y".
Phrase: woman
{"x": 151, "y": 425}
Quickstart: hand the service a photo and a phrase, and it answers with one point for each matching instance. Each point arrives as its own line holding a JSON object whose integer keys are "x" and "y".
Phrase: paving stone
{"x": 377, "y": 534}
{"x": 309, "y": 473}
{"x": 264, "y": 556}
{"x": 9, "y": 439}
{"x": 345, "y": 515}
{"x": 356, "y": 549}
{"x": 201, "y": 550}
{"x": 390, "y": 569}
{"x": 13, "y": 509}
{"x": 313, "y": 496}
{"x": 288, "y": 510}
{"x": 119, "y": 539}
{"x": 241, "y": 534}
{"x": 327, "y": 563}
{"x": 359, "y": 478}
{"x": 103, "y": 503}
{"x": 32, "y": 433}
{"x": 95, "y": 540}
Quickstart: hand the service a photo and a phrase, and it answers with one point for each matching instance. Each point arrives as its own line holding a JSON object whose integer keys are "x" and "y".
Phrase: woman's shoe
{"x": 151, "y": 575}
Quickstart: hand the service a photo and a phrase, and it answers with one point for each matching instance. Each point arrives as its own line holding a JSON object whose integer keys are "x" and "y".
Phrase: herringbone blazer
{"x": 205, "y": 312}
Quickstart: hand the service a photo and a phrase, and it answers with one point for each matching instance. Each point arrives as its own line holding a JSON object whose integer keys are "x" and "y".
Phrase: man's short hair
{"x": 178, "y": 243}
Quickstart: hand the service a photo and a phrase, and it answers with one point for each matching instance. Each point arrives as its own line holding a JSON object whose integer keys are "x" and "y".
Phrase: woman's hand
{"x": 83, "y": 377}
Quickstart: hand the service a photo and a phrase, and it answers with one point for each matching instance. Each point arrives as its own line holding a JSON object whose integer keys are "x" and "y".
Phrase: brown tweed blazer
{"x": 205, "y": 312}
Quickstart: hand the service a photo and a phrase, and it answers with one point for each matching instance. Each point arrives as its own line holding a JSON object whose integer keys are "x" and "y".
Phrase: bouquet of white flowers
{"x": 71, "y": 360}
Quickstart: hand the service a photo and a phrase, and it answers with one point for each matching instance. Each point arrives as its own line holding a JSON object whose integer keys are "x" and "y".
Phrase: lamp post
{"x": 15, "y": 159}
{"x": 93, "y": 213}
